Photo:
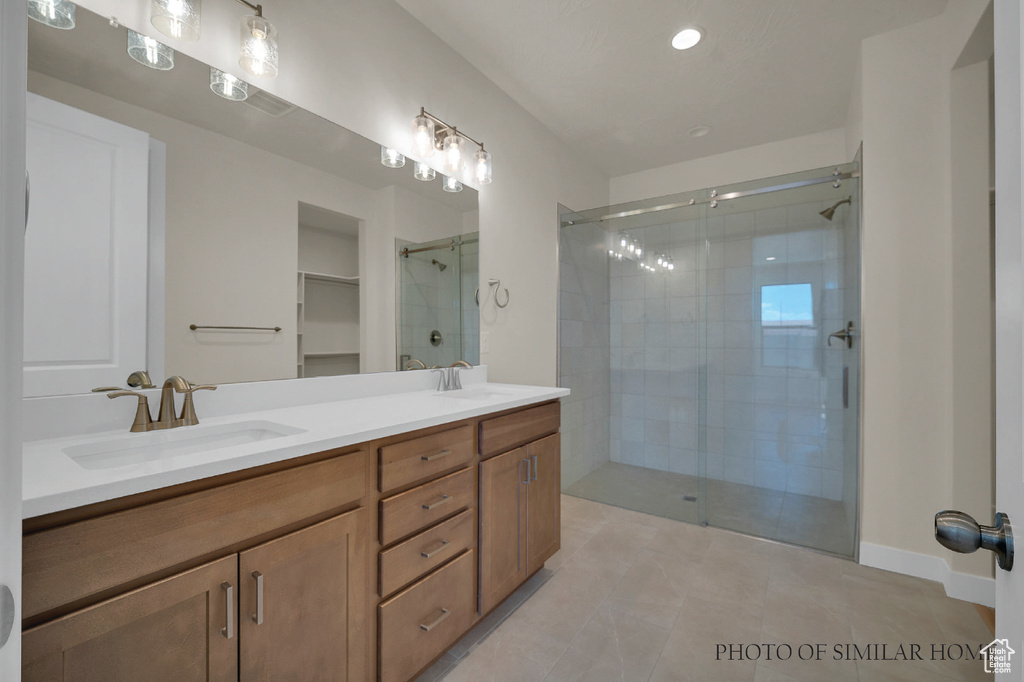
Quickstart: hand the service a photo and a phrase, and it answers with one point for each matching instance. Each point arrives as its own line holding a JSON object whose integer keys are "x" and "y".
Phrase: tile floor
{"x": 799, "y": 519}
{"x": 637, "y": 597}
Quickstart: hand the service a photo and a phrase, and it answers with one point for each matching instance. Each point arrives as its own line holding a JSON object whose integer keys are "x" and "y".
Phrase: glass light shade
{"x": 257, "y": 51}
{"x": 422, "y": 171}
{"x": 177, "y": 18}
{"x": 227, "y": 86}
{"x": 391, "y": 158}
{"x": 55, "y": 13}
{"x": 482, "y": 167}
{"x": 148, "y": 52}
{"x": 450, "y": 184}
{"x": 422, "y": 136}
{"x": 453, "y": 150}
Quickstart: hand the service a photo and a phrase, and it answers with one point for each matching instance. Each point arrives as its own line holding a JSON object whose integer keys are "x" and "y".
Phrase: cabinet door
{"x": 302, "y": 613}
{"x": 543, "y": 507}
{"x": 172, "y": 630}
{"x": 502, "y": 526}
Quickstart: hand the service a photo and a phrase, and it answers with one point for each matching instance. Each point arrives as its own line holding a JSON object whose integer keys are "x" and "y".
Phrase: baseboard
{"x": 963, "y": 586}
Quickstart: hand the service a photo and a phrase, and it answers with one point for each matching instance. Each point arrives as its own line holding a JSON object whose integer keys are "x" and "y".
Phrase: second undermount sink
{"x": 138, "y": 448}
{"x": 478, "y": 393}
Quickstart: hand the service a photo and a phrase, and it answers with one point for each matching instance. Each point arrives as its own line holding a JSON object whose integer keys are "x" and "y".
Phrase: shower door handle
{"x": 845, "y": 334}
{"x": 961, "y": 533}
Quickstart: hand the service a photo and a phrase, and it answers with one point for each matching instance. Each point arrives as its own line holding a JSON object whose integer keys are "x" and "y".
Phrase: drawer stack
{"x": 427, "y": 564}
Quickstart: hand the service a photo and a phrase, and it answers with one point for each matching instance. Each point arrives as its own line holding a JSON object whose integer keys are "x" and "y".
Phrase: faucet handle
{"x": 143, "y": 421}
{"x": 188, "y": 409}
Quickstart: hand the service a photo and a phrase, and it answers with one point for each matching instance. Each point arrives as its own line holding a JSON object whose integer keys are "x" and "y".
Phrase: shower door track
{"x": 725, "y": 197}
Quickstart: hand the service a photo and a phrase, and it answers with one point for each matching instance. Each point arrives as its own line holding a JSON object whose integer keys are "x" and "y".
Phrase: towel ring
{"x": 497, "y": 284}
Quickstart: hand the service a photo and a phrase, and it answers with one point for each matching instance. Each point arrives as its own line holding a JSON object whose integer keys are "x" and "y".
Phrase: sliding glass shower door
{"x": 732, "y": 357}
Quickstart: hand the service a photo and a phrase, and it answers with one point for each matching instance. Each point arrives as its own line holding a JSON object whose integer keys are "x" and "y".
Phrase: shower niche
{"x": 694, "y": 335}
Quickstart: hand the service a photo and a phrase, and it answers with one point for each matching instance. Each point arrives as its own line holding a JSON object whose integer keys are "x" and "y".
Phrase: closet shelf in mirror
{"x": 337, "y": 279}
{"x": 332, "y": 354}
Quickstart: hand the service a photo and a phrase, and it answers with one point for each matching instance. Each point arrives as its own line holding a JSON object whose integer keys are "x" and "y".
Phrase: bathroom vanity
{"x": 354, "y": 550}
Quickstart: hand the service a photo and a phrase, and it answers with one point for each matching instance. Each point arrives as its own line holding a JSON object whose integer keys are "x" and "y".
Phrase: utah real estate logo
{"x": 997, "y": 656}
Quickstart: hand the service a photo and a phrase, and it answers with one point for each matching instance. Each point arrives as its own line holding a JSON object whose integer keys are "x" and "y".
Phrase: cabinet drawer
{"x": 422, "y": 458}
{"x": 414, "y": 509}
{"x": 511, "y": 430}
{"x": 420, "y": 622}
{"x": 408, "y": 560}
{"x": 70, "y": 563}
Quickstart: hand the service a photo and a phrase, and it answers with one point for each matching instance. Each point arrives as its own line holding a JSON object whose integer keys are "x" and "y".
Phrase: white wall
{"x": 910, "y": 352}
{"x": 368, "y": 65}
{"x": 752, "y": 163}
{"x": 328, "y": 252}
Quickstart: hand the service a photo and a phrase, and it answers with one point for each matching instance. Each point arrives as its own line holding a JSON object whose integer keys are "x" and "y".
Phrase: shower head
{"x": 440, "y": 266}
{"x": 830, "y": 211}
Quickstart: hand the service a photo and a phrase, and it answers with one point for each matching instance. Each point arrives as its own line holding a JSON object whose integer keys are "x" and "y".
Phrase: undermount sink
{"x": 482, "y": 393}
{"x": 144, "y": 447}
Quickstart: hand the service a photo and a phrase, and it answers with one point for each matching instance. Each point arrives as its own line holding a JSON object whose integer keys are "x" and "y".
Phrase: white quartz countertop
{"x": 54, "y": 481}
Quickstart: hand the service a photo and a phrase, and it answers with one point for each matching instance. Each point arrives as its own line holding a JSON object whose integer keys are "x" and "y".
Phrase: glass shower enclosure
{"x": 712, "y": 344}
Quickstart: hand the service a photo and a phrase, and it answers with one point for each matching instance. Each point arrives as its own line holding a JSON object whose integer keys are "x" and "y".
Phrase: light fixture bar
{"x": 440, "y": 126}
{"x": 258, "y": 9}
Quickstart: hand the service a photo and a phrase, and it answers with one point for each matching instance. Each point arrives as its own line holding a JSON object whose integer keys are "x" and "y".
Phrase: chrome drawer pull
{"x": 427, "y": 555}
{"x": 229, "y": 630}
{"x": 430, "y": 626}
{"x": 444, "y": 498}
{"x": 431, "y": 458}
{"x": 258, "y": 616}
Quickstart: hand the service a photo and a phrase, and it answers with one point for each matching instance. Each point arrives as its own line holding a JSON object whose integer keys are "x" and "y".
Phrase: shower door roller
{"x": 961, "y": 533}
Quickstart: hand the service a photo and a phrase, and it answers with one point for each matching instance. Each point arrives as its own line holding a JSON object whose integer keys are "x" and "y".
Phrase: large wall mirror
{"x": 176, "y": 231}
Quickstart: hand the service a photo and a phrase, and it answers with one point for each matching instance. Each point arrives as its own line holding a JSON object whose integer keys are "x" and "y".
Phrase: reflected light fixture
{"x": 450, "y": 184}
{"x": 687, "y": 38}
{"x": 178, "y": 19}
{"x": 429, "y": 133}
{"x": 55, "y": 13}
{"x": 391, "y": 158}
{"x": 257, "y": 52}
{"x": 227, "y": 86}
{"x": 422, "y": 171}
{"x": 148, "y": 52}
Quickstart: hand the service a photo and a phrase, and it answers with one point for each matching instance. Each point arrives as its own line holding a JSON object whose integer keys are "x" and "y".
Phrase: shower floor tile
{"x": 798, "y": 519}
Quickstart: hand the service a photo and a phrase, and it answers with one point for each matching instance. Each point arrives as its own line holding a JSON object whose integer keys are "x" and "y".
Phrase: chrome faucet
{"x": 448, "y": 379}
{"x": 166, "y": 418}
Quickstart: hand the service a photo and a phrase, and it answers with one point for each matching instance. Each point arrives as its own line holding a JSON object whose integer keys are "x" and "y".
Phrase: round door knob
{"x": 959, "y": 532}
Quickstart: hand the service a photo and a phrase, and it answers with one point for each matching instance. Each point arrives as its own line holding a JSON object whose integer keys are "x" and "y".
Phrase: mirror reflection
{"x": 180, "y": 232}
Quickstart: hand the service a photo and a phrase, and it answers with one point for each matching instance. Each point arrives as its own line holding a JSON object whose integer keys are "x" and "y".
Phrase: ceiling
{"x": 623, "y": 99}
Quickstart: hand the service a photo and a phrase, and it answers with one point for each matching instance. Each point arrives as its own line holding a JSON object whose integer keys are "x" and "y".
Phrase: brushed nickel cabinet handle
{"x": 258, "y": 616}
{"x": 433, "y": 505}
{"x": 427, "y": 555}
{"x": 534, "y": 476}
{"x": 430, "y": 626}
{"x": 431, "y": 458}
{"x": 229, "y": 599}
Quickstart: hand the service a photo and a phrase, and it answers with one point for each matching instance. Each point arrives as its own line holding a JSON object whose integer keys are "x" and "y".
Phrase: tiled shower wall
{"x": 583, "y": 362}
{"x": 773, "y": 404}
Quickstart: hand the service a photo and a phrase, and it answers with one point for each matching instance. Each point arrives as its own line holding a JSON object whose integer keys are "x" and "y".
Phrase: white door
{"x": 1009, "y": 85}
{"x": 12, "y": 227}
{"x": 85, "y": 250}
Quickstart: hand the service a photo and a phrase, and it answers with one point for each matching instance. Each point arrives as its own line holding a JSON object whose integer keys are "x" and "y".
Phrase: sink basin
{"x": 186, "y": 440}
{"x": 478, "y": 393}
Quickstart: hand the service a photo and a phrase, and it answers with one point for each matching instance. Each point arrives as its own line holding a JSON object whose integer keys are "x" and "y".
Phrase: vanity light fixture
{"x": 177, "y": 18}
{"x": 450, "y": 184}
{"x": 391, "y": 158}
{"x": 148, "y": 52}
{"x": 429, "y": 133}
{"x": 257, "y": 53}
{"x": 228, "y": 86}
{"x": 55, "y": 13}
{"x": 422, "y": 171}
{"x": 687, "y": 38}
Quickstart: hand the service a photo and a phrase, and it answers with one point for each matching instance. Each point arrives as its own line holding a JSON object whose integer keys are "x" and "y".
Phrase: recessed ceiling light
{"x": 687, "y": 38}
{"x": 698, "y": 131}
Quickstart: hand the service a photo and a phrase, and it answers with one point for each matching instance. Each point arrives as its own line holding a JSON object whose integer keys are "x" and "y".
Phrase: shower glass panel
{"x": 438, "y": 323}
{"x": 725, "y": 403}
